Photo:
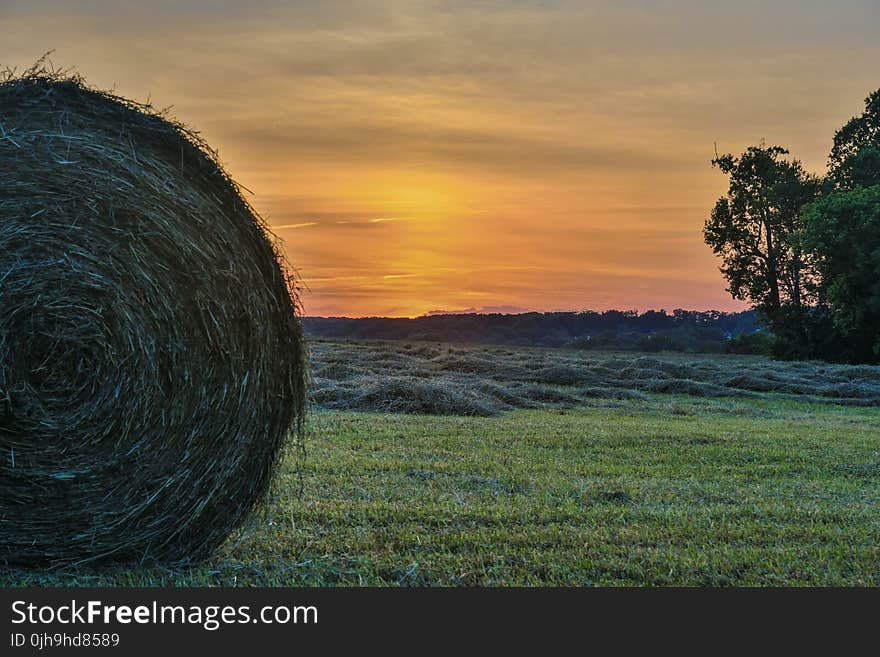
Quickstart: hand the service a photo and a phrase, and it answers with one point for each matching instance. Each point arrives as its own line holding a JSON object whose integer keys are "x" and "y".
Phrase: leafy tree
{"x": 855, "y": 156}
{"x": 754, "y": 229}
{"x": 843, "y": 228}
{"x": 758, "y": 342}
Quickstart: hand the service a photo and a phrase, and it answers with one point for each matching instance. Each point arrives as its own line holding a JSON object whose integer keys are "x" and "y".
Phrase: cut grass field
{"x": 656, "y": 490}
{"x": 486, "y": 380}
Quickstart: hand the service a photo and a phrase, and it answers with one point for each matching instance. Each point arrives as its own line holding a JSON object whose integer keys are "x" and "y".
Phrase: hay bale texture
{"x": 151, "y": 358}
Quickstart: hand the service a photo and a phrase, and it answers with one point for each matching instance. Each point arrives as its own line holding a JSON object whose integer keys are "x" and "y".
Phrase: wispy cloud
{"x": 305, "y": 224}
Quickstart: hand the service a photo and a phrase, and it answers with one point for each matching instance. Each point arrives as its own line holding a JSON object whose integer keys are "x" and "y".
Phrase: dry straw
{"x": 151, "y": 359}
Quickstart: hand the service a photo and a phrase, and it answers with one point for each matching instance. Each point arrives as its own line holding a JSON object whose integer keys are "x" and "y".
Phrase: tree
{"x": 843, "y": 228}
{"x": 754, "y": 229}
{"x": 855, "y": 156}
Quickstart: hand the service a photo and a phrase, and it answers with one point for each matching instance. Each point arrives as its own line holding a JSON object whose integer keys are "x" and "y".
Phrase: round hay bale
{"x": 152, "y": 362}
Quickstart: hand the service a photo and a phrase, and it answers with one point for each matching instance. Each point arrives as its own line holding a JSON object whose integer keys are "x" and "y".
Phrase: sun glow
{"x": 530, "y": 155}
{"x": 403, "y": 196}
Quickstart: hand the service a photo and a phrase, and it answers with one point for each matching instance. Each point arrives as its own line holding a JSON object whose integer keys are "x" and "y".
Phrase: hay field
{"x": 554, "y": 467}
{"x": 446, "y": 379}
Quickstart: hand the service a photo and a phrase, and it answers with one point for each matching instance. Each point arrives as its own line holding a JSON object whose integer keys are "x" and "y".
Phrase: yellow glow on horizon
{"x": 404, "y": 196}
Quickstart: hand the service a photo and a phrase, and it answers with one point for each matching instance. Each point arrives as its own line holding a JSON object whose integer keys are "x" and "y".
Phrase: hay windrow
{"x": 479, "y": 379}
{"x": 151, "y": 358}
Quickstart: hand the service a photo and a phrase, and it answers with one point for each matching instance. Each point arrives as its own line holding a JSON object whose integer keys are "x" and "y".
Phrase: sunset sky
{"x": 416, "y": 156}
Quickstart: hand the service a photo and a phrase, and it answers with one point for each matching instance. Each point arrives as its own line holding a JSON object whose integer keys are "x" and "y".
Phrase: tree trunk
{"x": 772, "y": 272}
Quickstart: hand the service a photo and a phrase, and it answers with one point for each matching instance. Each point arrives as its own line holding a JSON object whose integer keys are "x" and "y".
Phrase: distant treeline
{"x": 683, "y": 330}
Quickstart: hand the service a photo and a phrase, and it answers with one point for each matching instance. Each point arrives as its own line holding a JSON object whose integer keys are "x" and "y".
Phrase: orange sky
{"x": 418, "y": 155}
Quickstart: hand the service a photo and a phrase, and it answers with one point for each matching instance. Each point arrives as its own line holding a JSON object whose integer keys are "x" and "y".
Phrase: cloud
{"x": 510, "y": 151}
{"x": 302, "y": 225}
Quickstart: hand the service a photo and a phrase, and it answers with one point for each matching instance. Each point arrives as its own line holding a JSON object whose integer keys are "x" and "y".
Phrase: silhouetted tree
{"x": 754, "y": 229}
{"x": 843, "y": 230}
{"x": 855, "y": 156}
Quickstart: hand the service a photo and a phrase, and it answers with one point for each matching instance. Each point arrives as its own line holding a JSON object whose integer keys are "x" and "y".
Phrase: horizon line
{"x": 530, "y": 312}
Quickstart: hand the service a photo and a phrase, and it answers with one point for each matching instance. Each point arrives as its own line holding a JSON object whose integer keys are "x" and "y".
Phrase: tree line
{"x": 804, "y": 250}
{"x": 681, "y": 330}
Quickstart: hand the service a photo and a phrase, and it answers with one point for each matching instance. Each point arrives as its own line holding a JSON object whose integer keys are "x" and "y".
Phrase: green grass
{"x": 666, "y": 490}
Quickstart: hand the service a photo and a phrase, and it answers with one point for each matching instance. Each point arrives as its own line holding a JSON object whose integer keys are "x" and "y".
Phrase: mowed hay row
{"x": 151, "y": 358}
{"x": 439, "y": 379}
